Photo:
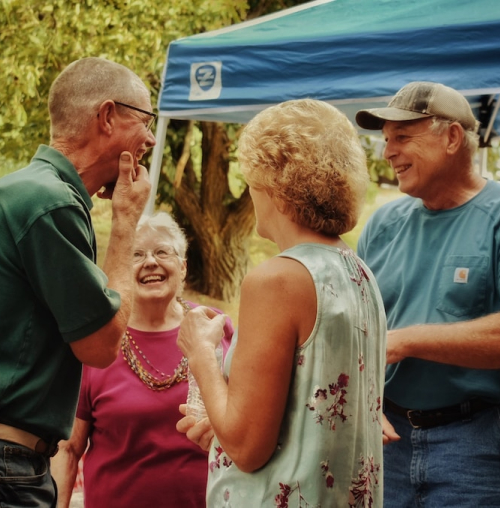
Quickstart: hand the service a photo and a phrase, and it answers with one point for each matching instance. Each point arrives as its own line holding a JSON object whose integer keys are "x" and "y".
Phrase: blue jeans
{"x": 455, "y": 465}
{"x": 25, "y": 479}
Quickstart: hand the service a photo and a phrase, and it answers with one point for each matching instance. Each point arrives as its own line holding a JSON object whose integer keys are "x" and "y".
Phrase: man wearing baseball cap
{"x": 436, "y": 256}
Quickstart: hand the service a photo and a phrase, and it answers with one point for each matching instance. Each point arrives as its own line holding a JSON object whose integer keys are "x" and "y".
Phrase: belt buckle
{"x": 410, "y": 414}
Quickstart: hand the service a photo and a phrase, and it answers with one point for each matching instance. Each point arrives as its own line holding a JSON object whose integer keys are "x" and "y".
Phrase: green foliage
{"x": 379, "y": 169}
{"x": 493, "y": 163}
{"x": 9, "y": 165}
{"x": 40, "y": 37}
{"x": 261, "y": 7}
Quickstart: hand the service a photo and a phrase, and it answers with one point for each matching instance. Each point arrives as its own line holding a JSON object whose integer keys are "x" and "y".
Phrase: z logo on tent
{"x": 206, "y": 82}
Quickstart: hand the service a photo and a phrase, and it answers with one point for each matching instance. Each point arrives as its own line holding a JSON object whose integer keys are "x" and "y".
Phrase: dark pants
{"x": 25, "y": 479}
{"x": 450, "y": 466}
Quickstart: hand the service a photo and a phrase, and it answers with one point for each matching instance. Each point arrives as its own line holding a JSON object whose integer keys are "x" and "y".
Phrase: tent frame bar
{"x": 156, "y": 160}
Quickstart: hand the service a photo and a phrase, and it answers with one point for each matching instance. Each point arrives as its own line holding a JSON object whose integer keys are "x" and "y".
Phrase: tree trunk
{"x": 221, "y": 224}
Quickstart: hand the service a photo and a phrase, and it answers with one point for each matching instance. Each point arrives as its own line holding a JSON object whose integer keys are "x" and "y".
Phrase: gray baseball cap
{"x": 421, "y": 99}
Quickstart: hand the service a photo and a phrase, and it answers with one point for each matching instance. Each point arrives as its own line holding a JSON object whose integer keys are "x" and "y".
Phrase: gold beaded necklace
{"x": 150, "y": 380}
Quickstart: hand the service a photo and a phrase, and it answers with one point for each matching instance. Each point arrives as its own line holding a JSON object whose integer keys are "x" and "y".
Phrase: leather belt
{"x": 425, "y": 419}
{"x": 21, "y": 437}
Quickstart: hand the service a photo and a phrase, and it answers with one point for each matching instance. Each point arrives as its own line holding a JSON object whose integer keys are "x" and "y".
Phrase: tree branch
{"x": 186, "y": 153}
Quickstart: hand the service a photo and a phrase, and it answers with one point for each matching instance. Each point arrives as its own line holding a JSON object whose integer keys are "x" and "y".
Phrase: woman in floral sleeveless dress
{"x": 297, "y": 415}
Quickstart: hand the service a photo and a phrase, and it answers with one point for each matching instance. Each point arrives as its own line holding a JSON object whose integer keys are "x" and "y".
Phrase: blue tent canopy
{"x": 354, "y": 54}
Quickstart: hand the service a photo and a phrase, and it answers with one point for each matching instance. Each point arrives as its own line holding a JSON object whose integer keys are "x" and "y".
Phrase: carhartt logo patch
{"x": 461, "y": 275}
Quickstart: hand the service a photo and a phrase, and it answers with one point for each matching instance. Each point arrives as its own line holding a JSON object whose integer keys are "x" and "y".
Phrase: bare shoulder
{"x": 278, "y": 273}
{"x": 280, "y": 291}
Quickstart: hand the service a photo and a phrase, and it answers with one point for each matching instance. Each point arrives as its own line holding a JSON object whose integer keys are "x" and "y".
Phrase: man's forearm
{"x": 473, "y": 344}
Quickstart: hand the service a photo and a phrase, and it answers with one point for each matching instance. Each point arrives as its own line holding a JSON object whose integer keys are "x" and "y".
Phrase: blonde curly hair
{"x": 307, "y": 155}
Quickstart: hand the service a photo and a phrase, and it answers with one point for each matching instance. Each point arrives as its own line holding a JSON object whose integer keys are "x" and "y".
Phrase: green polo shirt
{"x": 51, "y": 292}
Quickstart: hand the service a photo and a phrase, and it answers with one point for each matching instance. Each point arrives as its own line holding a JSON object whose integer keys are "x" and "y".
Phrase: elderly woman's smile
{"x": 152, "y": 278}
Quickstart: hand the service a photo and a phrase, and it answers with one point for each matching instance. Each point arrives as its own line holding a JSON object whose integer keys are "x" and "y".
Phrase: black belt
{"x": 425, "y": 419}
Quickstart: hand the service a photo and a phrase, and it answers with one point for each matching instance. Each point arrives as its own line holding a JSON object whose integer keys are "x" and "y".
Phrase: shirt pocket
{"x": 463, "y": 286}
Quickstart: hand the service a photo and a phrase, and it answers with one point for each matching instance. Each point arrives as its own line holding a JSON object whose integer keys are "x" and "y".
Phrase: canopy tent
{"x": 354, "y": 54}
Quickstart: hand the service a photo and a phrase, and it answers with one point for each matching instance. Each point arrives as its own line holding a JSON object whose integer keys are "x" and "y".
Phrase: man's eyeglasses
{"x": 160, "y": 253}
{"x": 152, "y": 115}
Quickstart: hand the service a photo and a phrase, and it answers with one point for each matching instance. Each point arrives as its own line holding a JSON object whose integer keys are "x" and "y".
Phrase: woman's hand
{"x": 200, "y": 433}
{"x": 201, "y": 328}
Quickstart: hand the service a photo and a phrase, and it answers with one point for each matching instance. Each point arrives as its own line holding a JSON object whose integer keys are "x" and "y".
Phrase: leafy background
{"x": 40, "y": 37}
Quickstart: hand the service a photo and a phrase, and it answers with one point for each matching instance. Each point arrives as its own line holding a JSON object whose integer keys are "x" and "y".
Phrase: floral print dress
{"x": 329, "y": 452}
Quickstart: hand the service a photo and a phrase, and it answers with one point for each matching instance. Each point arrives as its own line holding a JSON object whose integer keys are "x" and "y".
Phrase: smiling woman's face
{"x": 158, "y": 270}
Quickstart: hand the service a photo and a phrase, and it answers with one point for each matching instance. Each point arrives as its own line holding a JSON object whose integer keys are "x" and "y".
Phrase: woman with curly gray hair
{"x": 301, "y": 409}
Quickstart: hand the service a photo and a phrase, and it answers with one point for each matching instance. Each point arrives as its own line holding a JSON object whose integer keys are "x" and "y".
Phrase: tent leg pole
{"x": 155, "y": 169}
